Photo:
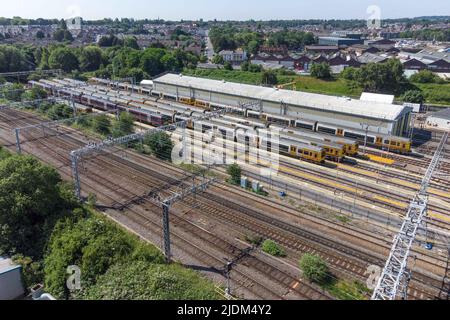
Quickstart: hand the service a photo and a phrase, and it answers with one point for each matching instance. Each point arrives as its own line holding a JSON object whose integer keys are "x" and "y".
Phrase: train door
{"x": 379, "y": 141}
{"x": 340, "y": 132}
{"x": 294, "y": 151}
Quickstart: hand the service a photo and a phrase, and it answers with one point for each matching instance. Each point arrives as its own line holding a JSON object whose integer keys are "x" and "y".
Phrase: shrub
{"x": 273, "y": 248}
{"x": 314, "y": 268}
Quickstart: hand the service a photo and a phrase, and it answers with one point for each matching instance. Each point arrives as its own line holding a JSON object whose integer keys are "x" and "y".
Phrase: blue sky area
{"x": 222, "y": 10}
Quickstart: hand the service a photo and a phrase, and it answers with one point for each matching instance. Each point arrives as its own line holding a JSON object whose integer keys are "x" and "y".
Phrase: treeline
{"x": 231, "y": 38}
{"x": 122, "y": 61}
{"x": 428, "y": 35}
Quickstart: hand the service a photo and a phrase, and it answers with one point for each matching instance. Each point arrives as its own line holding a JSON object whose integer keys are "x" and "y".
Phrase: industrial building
{"x": 385, "y": 118}
{"x": 440, "y": 120}
{"x": 337, "y": 41}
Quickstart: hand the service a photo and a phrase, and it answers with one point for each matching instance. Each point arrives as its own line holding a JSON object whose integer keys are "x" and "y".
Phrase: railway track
{"x": 127, "y": 176}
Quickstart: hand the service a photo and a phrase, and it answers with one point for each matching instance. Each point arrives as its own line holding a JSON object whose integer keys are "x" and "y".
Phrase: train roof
{"x": 360, "y": 131}
{"x": 311, "y": 140}
{"x": 376, "y": 110}
{"x": 291, "y": 142}
{"x": 315, "y": 135}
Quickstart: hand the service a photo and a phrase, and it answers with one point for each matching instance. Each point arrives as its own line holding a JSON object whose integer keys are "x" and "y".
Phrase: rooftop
{"x": 377, "y": 110}
{"x": 443, "y": 114}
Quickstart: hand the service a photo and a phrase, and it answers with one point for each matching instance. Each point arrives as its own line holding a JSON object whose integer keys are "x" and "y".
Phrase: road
{"x": 209, "y": 45}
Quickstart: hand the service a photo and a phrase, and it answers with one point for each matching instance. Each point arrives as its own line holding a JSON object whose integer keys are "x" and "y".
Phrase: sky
{"x": 221, "y": 9}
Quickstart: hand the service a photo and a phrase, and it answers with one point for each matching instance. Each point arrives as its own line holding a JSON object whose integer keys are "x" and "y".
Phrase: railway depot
{"x": 378, "y": 117}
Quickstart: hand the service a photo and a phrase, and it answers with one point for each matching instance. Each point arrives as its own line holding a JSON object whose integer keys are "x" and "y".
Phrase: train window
{"x": 386, "y": 141}
{"x": 340, "y": 132}
{"x": 304, "y": 126}
{"x": 326, "y": 130}
{"x": 284, "y": 148}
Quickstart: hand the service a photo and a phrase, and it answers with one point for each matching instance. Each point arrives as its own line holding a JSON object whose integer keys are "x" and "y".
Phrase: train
{"x": 372, "y": 139}
{"x": 258, "y": 138}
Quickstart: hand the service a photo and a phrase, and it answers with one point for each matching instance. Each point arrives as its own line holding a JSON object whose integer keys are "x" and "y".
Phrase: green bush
{"x": 160, "y": 144}
{"x": 273, "y": 248}
{"x": 235, "y": 173}
{"x": 142, "y": 281}
{"x": 314, "y": 268}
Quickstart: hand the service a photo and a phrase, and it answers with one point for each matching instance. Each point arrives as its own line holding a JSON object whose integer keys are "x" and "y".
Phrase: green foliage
{"x": 436, "y": 93}
{"x": 40, "y": 34}
{"x": 110, "y": 41}
{"x": 36, "y": 93}
{"x": 131, "y": 42}
{"x": 293, "y": 40}
{"x": 91, "y": 58}
{"x": 59, "y": 111}
{"x": 32, "y": 198}
{"x": 426, "y": 76}
{"x": 32, "y": 272}
{"x": 102, "y": 124}
{"x": 160, "y": 144}
{"x": 235, "y": 173}
{"x": 13, "y": 92}
{"x": 217, "y": 59}
{"x": 63, "y": 58}
{"x": 124, "y": 126}
{"x": 247, "y": 66}
{"x": 321, "y": 71}
{"x": 13, "y": 59}
{"x": 269, "y": 77}
{"x": 273, "y": 248}
{"x": 141, "y": 281}
{"x": 378, "y": 77}
{"x": 348, "y": 290}
{"x": 228, "y": 66}
{"x": 428, "y": 34}
{"x": 413, "y": 96}
{"x": 314, "y": 268}
{"x": 94, "y": 245}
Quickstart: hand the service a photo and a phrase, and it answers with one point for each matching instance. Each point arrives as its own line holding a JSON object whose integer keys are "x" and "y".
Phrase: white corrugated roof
{"x": 326, "y": 103}
{"x": 375, "y": 97}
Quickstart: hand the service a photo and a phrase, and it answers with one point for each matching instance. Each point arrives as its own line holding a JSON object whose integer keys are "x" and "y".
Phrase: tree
{"x": 40, "y": 34}
{"x": 63, "y": 58}
{"x": 269, "y": 77}
{"x": 413, "y": 96}
{"x": 124, "y": 126}
{"x": 160, "y": 144}
{"x": 131, "y": 42}
{"x": 91, "y": 58}
{"x": 151, "y": 61}
{"x": 228, "y": 66}
{"x": 380, "y": 77}
{"x": 94, "y": 245}
{"x": 31, "y": 200}
{"x": 36, "y": 93}
{"x": 102, "y": 124}
{"x": 425, "y": 76}
{"x": 235, "y": 173}
{"x": 321, "y": 71}
{"x": 314, "y": 268}
{"x": 218, "y": 59}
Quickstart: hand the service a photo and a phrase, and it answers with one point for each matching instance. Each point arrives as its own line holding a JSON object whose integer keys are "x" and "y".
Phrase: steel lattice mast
{"x": 395, "y": 271}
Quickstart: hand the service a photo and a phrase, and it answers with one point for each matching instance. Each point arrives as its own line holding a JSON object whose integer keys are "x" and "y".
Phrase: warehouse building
{"x": 336, "y": 41}
{"x": 383, "y": 118}
{"x": 440, "y": 120}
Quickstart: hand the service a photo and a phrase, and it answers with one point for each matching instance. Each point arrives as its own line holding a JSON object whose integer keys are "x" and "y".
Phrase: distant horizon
{"x": 229, "y": 20}
{"x": 232, "y": 10}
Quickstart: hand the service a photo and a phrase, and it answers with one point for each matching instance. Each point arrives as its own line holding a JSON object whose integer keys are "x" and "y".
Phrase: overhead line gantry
{"x": 395, "y": 274}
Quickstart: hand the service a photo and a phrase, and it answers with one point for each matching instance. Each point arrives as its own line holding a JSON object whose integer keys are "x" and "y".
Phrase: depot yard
{"x": 347, "y": 213}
